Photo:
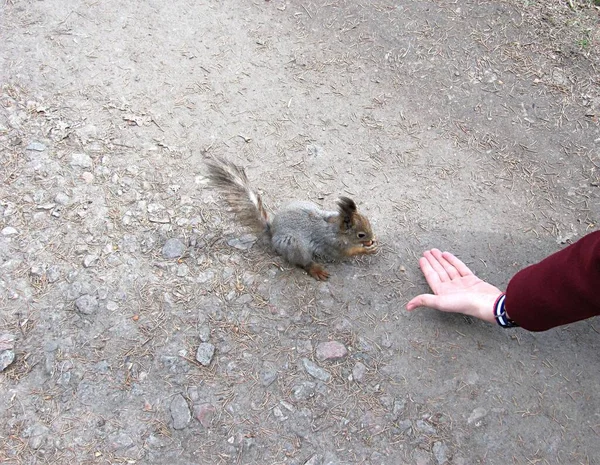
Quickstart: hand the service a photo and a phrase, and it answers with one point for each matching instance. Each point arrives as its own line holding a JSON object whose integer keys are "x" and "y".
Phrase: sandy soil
{"x": 469, "y": 126}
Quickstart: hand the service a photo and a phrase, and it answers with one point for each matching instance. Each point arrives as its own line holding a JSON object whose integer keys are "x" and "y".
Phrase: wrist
{"x": 501, "y": 313}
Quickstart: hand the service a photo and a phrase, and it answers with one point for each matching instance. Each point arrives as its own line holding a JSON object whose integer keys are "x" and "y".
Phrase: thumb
{"x": 423, "y": 300}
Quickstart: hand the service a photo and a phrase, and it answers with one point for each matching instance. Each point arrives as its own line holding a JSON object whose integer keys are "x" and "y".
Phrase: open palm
{"x": 455, "y": 287}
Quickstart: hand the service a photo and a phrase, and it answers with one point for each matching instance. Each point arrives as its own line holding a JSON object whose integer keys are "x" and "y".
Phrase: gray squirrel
{"x": 299, "y": 231}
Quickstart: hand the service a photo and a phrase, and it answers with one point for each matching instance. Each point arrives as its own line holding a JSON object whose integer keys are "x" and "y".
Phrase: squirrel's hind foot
{"x": 317, "y": 271}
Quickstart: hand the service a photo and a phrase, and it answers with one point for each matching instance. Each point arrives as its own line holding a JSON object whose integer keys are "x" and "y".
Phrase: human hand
{"x": 455, "y": 288}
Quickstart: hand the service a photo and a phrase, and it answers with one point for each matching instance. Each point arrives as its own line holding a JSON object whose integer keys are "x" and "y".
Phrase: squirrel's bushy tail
{"x": 232, "y": 182}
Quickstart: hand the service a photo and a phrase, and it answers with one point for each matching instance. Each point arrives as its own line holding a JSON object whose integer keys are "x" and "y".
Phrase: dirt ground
{"x": 471, "y": 126}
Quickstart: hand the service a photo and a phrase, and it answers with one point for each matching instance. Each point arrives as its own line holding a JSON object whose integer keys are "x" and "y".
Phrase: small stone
{"x": 81, "y": 160}
{"x": 244, "y": 299}
{"x": 62, "y": 199}
{"x": 477, "y": 415}
{"x": 9, "y": 231}
{"x": 86, "y": 304}
{"x": 440, "y": 452}
{"x": 37, "y": 271}
{"x": 399, "y": 406}
{"x": 204, "y": 413}
{"x": 89, "y": 260}
{"x": 358, "y": 372}
{"x": 303, "y": 391}
{"x": 268, "y": 375}
{"x": 6, "y": 358}
{"x": 315, "y": 151}
{"x": 53, "y": 274}
{"x": 425, "y": 427}
{"x": 37, "y": 435}
{"x": 205, "y": 276}
{"x": 304, "y": 346}
{"x": 205, "y": 353}
{"x": 173, "y": 248}
{"x": 279, "y": 414}
{"x": 182, "y": 270}
{"x": 36, "y": 147}
{"x": 120, "y": 441}
{"x": 204, "y": 333}
{"x": 404, "y": 426}
{"x": 180, "y": 412}
{"x": 331, "y": 350}
{"x": 316, "y": 371}
{"x": 244, "y": 242}
{"x": 420, "y": 457}
{"x": 87, "y": 177}
{"x": 160, "y": 218}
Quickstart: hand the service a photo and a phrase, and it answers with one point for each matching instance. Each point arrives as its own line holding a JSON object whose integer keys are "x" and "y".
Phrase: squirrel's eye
{"x": 361, "y": 235}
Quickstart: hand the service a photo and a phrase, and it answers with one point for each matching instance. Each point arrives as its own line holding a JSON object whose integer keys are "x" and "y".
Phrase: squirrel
{"x": 299, "y": 231}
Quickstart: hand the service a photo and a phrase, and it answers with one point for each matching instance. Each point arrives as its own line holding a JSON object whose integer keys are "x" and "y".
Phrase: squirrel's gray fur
{"x": 299, "y": 231}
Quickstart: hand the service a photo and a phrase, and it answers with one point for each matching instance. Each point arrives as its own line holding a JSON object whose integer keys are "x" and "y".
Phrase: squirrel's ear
{"x": 347, "y": 209}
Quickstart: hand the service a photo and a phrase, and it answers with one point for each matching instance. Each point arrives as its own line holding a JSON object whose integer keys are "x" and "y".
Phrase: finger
{"x": 462, "y": 269}
{"x": 431, "y": 276}
{"x": 423, "y": 300}
{"x": 434, "y": 263}
{"x": 448, "y": 266}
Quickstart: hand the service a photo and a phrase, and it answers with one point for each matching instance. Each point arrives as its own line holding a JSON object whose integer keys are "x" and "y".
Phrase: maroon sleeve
{"x": 561, "y": 289}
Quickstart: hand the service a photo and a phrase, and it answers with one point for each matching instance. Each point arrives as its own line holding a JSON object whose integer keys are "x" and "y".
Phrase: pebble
{"x": 404, "y": 426}
{"x": 399, "y": 406}
{"x": 303, "y": 391}
{"x": 37, "y": 435}
{"x": 425, "y": 427}
{"x": 204, "y": 413}
{"x": 81, "y": 160}
{"x": 173, "y": 248}
{"x": 204, "y": 333}
{"x": 279, "y": 414}
{"x": 86, "y": 304}
{"x": 268, "y": 375}
{"x": 244, "y": 299}
{"x": 244, "y": 242}
{"x": 316, "y": 371}
{"x": 6, "y": 358}
{"x": 37, "y": 271}
{"x": 87, "y": 177}
{"x": 440, "y": 452}
{"x": 120, "y": 441}
{"x": 331, "y": 350}
{"x": 36, "y": 146}
{"x": 180, "y": 412}
{"x": 182, "y": 270}
{"x": 358, "y": 372}
{"x": 62, "y": 198}
{"x": 205, "y": 353}
{"x": 53, "y": 274}
{"x": 304, "y": 346}
{"x": 9, "y": 231}
{"x": 89, "y": 260}
{"x": 477, "y": 415}
{"x": 205, "y": 276}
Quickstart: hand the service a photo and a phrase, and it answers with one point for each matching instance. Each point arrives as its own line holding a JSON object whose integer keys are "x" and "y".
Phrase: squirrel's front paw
{"x": 317, "y": 272}
{"x": 370, "y": 249}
